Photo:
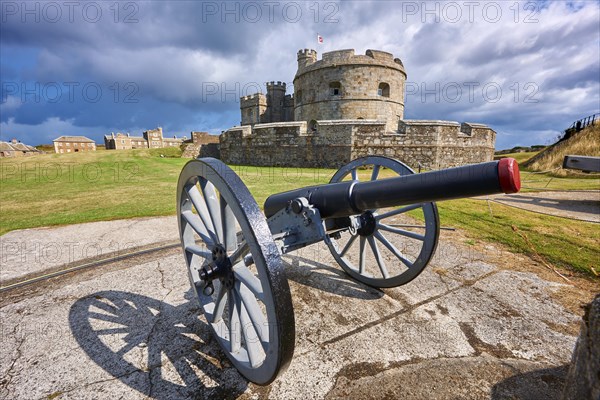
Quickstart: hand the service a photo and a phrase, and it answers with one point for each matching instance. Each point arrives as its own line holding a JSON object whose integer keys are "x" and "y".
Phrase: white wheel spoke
{"x": 378, "y": 257}
{"x": 348, "y": 245}
{"x": 198, "y": 226}
{"x": 214, "y": 208}
{"x": 235, "y": 326}
{"x": 244, "y": 275}
{"x": 375, "y": 173}
{"x": 220, "y": 303}
{"x": 199, "y": 251}
{"x": 393, "y": 249}
{"x": 398, "y": 211}
{"x": 228, "y": 225}
{"x": 200, "y": 205}
{"x": 254, "y": 311}
{"x": 402, "y": 232}
{"x": 361, "y": 263}
{"x": 253, "y": 344}
{"x": 240, "y": 252}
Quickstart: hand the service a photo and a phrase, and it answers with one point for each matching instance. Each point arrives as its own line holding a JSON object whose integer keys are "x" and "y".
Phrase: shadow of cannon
{"x": 155, "y": 348}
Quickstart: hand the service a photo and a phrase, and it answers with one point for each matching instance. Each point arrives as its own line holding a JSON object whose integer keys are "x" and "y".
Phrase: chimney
{"x": 112, "y": 134}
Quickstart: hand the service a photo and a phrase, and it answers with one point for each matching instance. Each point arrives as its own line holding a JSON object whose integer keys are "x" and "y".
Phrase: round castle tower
{"x": 343, "y": 85}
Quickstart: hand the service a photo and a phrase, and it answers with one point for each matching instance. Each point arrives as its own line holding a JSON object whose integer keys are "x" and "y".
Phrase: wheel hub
{"x": 219, "y": 268}
{"x": 368, "y": 224}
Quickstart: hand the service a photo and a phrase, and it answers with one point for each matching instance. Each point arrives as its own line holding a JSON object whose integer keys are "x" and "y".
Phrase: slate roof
{"x": 73, "y": 139}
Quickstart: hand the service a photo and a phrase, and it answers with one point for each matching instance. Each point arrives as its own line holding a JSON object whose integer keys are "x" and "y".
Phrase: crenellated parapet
{"x": 306, "y": 57}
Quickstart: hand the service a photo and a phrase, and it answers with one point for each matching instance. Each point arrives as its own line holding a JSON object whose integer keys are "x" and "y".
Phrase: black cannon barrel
{"x": 354, "y": 197}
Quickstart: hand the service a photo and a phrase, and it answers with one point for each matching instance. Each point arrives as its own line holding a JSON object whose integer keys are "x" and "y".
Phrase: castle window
{"x": 335, "y": 89}
{"x": 298, "y": 96}
{"x": 312, "y": 125}
{"x": 383, "y": 90}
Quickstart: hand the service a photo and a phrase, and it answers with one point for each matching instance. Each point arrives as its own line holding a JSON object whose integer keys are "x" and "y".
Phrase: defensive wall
{"x": 425, "y": 144}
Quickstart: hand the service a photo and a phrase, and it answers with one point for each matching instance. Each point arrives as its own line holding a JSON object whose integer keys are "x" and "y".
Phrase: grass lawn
{"x": 60, "y": 189}
{"x": 563, "y": 243}
{"x": 65, "y": 189}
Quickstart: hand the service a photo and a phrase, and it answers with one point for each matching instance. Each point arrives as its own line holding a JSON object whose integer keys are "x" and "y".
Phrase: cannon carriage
{"x": 375, "y": 209}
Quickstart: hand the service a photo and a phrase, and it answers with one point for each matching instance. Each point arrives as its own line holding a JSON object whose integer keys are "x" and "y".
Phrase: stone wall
{"x": 583, "y": 380}
{"x": 432, "y": 144}
{"x": 332, "y": 143}
{"x": 201, "y": 144}
{"x": 203, "y": 137}
{"x": 287, "y": 144}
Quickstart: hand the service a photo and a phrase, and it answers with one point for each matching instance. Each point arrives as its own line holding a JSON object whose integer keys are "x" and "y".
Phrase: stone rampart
{"x": 332, "y": 143}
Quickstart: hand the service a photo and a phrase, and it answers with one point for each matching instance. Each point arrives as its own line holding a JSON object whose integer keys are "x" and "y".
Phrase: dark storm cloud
{"x": 190, "y": 61}
{"x": 182, "y": 24}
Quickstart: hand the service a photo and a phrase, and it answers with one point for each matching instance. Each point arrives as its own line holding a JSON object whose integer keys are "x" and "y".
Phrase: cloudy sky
{"x": 528, "y": 69}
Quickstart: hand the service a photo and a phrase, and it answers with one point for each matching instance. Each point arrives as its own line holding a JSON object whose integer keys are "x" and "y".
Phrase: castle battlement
{"x": 274, "y": 85}
{"x": 253, "y": 100}
{"x": 380, "y": 55}
{"x": 307, "y": 52}
{"x": 251, "y": 96}
{"x": 338, "y": 54}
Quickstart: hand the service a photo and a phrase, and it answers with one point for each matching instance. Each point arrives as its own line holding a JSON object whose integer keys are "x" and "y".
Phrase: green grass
{"x": 61, "y": 189}
{"x": 520, "y": 157}
{"x": 55, "y": 189}
{"x": 564, "y": 243}
{"x": 65, "y": 189}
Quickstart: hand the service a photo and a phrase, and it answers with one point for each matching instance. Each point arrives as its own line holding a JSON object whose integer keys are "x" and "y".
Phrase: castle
{"x": 346, "y": 106}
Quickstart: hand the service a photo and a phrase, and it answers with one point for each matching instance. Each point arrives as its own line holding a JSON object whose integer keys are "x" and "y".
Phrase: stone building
{"x": 124, "y": 141}
{"x": 15, "y": 148}
{"x": 152, "y": 139}
{"x": 346, "y": 106}
{"x": 73, "y": 144}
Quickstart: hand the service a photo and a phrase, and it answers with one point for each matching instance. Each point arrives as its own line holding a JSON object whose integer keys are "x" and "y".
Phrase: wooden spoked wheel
{"x": 235, "y": 269}
{"x": 394, "y": 245}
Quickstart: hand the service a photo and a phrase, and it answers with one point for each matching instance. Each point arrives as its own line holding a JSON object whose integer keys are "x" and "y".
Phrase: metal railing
{"x": 584, "y": 122}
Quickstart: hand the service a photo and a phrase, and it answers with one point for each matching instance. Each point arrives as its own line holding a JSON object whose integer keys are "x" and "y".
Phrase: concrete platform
{"x": 469, "y": 327}
{"x": 31, "y": 252}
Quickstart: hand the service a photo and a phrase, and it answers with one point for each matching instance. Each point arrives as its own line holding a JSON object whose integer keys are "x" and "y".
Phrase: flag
{"x": 319, "y": 39}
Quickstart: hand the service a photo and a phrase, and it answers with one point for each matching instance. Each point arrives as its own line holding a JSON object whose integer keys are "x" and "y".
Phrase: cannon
{"x": 375, "y": 209}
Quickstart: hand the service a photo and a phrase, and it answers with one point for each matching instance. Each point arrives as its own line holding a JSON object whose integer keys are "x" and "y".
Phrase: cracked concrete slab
{"x": 465, "y": 328}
